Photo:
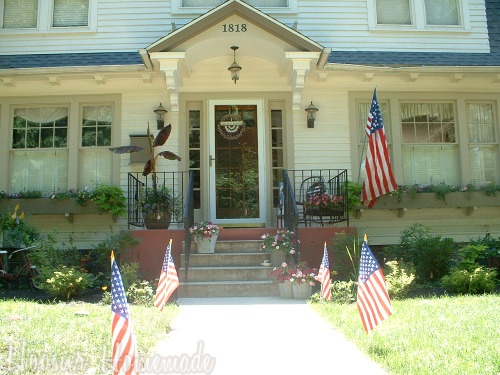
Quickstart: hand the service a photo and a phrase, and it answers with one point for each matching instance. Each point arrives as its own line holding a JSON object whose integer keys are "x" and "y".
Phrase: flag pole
{"x": 363, "y": 151}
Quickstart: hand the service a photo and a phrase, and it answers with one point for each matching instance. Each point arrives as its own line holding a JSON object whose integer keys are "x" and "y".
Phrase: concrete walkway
{"x": 261, "y": 335}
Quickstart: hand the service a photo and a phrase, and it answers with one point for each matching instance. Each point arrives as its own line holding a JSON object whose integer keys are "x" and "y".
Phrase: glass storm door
{"x": 236, "y": 162}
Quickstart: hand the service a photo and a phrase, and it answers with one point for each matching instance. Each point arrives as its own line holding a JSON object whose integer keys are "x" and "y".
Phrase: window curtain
{"x": 42, "y": 115}
{"x": 393, "y": 12}
{"x": 427, "y": 165}
{"x": 95, "y": 167}
{"x": 442, "y": 12}
{"x": 20, "y": 14}
{"x": 71, "y": 13}
{"x": 45, "y": 171}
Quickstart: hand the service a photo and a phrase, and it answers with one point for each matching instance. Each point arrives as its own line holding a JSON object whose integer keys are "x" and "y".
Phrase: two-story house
{"x": 80, "y": 76}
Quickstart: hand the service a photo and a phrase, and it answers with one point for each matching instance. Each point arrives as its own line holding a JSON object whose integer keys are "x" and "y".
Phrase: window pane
{"x": 442, "y": 12}
{"x": 71, "y": 13}
{"x": 481, "y": 122}
{"x": 95, "y": 166}
{"x": 428, "y": 122}
{"x": 393, "y": 12}
{"x": 96, "y": 126}
{"x": 39, "y": 170}
{"x": 363, "y": 111}
{"x": 430, "y": 164}
{"x": 482, "y": 164}
{"x": 20, "y": 14}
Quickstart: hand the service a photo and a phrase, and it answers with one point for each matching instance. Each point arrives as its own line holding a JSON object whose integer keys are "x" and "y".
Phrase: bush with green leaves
{"x": 398, "y": 278}
{"x": 477, "y": 281}
{"x": 119, "y": 243}
{"x": 141, "y": 293}
{"x": 110, "y": 198}
{"x": 430, "y": 255}
{"x": 67, "y": 282}
{"x": 130, "y": 274}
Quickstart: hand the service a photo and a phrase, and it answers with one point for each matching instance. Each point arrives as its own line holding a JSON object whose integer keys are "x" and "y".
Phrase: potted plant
{"x": 16, "y": 231}
{"x": 205, "y": 235}
{"x": 159, "y": 212}
{"x": 281, "y": 275}
{"x": 303, "y": 278}
{"x": 280, "y": 245}
{"x": 325, "y": 204}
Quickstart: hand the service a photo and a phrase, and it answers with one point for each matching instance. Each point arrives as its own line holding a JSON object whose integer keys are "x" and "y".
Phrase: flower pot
{"x": 12, "y": 239}
{"x": 158, "y": 219}
{"x": 277, "y": 257}
{"x": 301, "y": 291}
{"x": 285, "y": 289}
{"x": 205, "y": 245}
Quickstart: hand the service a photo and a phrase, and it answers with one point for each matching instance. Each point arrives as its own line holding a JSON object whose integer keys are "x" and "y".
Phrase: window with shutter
{"x": 483, "y": 147}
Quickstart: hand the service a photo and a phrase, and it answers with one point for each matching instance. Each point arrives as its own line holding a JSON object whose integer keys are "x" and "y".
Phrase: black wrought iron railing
{"x": 188, "y": 223}
{"x": 142, "y": 193}
{"x": 290, "y": 210}
{"x": 328, "y": 186}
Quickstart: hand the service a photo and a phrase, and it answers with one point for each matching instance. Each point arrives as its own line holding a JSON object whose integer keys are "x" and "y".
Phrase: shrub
{"x": 477, "y": 281}
{"x": 120, "y": 244}
{"x": 430, "y": 255}
{"x": 398, "y": 279}
{"x": 469, "y": 255}
{"x": 141, "y": 294}
{"x": 130, "y": 274}
{"x": 67, "y": 282}
{"x": 344, "y": 292}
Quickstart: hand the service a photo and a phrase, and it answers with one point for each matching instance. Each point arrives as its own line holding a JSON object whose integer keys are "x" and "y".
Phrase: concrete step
{"x": 225, "y": 259}
{"x": 228, "y": 289}
{"x": 232, "y": 246}
{"x": 196, "y": 274}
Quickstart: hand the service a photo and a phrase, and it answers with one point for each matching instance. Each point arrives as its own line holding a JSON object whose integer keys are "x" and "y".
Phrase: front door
{"x": 237, "y": 178}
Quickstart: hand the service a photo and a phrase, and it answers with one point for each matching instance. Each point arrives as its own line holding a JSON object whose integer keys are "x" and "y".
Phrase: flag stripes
{"x": 124, "y": 347}
{"x": 373, "y": 301}
{"x": 379, "y": 177}
{"x": 169, "y": 281}
{"x": 324, "y": 276}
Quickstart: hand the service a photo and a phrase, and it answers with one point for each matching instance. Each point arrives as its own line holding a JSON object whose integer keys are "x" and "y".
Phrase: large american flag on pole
{"x": 123, "y": 340}
{"x": 324, "y": 276}
{"x": 168, "y": 279}
{"x": 373, "y": 301}
{"x": 379, "y": 179}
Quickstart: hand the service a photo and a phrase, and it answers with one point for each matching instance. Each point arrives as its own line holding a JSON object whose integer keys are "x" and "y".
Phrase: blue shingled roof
{"x": 378, "y": 58}
{"x": 69, "y": 59}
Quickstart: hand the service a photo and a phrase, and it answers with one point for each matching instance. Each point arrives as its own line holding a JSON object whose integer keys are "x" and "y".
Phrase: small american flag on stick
{"x": 123, "y": 340}
{"x": 324, "y": 276}
{"x": 169, "y": 281}
{"x": 373, "y": 301}
{"x": 379, "y": 178}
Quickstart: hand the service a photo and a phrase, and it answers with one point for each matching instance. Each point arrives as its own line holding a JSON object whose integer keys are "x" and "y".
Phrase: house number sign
{"x": 234, "y": 28}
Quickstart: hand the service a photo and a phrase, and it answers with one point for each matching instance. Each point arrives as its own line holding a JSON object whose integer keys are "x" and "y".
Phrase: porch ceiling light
{"x": 311, "y": 110}
{"x": 160, "y": 116}
{"x": 234, "y": 68}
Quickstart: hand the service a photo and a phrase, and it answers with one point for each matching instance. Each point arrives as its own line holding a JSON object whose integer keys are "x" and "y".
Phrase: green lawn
{"x": 50, "y": 338}
{"x": 446, "y": 335}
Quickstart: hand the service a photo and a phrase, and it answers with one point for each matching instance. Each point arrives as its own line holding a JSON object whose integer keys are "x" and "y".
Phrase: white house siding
{"x": 129, "y": 25}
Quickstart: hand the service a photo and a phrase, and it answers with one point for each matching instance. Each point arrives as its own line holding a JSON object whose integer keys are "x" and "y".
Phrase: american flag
{"x": 373, "y": 301}
{"x": 123, "y": 340}
{"x": 379, "y": 178}
{"x": 168, "y": 279}
{"x": 324, "y": 276}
